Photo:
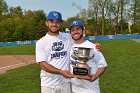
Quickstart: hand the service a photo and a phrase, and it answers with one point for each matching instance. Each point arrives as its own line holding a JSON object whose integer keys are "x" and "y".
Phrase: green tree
{"x": 36, "y": 25}
{"x": 3, "y": 7}
{"x": 18, "y": 34}
{"x": 16, "y": 11}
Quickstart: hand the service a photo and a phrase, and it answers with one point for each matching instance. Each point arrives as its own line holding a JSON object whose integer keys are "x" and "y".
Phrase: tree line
{"x": 103, "y": 17}
{"x": 18, "y": 25}
{"x": 112, "y": 17}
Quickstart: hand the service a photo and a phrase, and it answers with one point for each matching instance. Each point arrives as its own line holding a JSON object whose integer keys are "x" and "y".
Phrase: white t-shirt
{"x": 96, "y": 62}
{"x": 54, "y": 50}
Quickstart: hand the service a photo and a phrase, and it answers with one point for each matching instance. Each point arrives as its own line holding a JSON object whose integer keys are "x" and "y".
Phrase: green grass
{"x": 18, "y": 50}
{"x": 122, "y": 74}
{"x": 21, "y": 80}
{"x": 123, "y": 71}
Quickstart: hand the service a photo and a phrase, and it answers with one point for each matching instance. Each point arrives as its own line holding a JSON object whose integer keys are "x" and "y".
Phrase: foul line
{"x": 29, "y": 62}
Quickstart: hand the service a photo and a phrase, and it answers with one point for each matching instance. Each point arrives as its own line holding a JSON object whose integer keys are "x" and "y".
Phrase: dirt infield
{"x": 13, "y": 61}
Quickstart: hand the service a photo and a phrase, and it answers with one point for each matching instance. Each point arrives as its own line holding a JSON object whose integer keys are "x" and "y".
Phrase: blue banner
{"x": 18, "y": 43}
{"x": 108, "y": 37}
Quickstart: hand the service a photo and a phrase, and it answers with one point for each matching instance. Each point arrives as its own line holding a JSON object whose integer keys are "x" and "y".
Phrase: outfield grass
{"x": 122, "y": 74}
{"x": 18, "y": 50}
{"x": 21, "y": 80}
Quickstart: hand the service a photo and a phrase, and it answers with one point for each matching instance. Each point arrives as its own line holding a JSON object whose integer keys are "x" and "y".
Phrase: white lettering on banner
{"x": 23, "y": 42}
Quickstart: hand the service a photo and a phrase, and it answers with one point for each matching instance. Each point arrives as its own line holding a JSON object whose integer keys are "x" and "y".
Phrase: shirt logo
{"x": 57, "y": 46}
{"x": 58, "y": 50}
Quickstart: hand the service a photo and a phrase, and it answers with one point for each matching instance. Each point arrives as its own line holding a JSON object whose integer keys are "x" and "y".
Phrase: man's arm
{"x": 92, "y": 77}
{"x": 51, "y": 69}
{"x": 87, "y": 77}
{"x": 99, "y": 72}
{"x": 101, "y": 65}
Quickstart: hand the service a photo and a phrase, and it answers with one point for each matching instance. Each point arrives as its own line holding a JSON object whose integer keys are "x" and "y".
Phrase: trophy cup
{"x": 83, "y": 56}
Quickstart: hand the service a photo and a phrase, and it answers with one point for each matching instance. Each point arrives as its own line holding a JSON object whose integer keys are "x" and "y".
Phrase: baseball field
{"x": 122, "y": 74}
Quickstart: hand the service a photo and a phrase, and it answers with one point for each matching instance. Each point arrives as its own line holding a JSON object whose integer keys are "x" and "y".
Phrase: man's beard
{"x": 81, "y": 36}
{"x": 54, "y": 31}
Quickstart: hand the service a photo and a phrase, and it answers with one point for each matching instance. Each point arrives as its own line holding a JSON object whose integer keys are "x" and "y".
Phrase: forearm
{"x": 92, "y": 77}
{"x": 87, "y": 77}
{"x": 49, "y": 68}
{"x": 100, "y": 71}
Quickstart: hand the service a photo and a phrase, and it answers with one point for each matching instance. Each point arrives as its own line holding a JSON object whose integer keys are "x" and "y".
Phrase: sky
{"x": 68, "y": 8}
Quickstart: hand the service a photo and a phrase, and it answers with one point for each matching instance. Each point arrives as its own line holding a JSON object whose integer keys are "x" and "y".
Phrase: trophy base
{"x": 81, "y": 70}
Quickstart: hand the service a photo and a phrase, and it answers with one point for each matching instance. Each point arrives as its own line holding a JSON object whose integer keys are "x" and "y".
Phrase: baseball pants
{"x": 62, "y": 88}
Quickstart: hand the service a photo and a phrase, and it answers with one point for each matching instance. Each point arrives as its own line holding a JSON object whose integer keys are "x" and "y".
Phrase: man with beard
{"x": 52, "y": 54}
{"x": 97, "y": 63}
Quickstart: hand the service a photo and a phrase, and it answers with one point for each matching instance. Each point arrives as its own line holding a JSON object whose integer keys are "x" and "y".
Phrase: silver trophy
{"x": 82, "y": 67}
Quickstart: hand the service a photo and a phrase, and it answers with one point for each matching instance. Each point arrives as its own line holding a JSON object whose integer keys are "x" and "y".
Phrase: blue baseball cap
{"x": 54, "y": 15}
{"x": 76, "y": 23}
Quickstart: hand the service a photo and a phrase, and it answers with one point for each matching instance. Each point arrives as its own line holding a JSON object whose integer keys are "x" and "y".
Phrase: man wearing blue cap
{"x": 52, "y": 53}
{"x": 97, "y": 63}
